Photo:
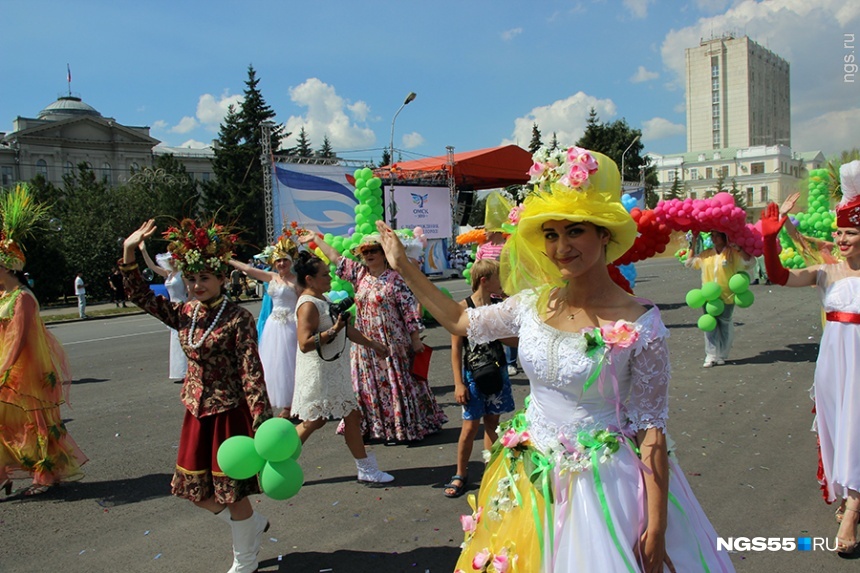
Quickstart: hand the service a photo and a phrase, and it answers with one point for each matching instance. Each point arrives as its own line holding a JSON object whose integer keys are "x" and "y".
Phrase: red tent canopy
{"x": 481, "y": 169}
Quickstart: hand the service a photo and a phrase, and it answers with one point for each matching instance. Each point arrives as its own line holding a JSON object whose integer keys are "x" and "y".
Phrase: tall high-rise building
{"x": 738, "y": 95}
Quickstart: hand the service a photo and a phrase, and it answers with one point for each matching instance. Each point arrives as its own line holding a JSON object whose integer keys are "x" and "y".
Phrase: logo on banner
{"x": 419, "y": 199}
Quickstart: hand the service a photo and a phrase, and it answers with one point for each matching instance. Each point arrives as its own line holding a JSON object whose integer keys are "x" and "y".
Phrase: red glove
{"x": 770, "y": 226}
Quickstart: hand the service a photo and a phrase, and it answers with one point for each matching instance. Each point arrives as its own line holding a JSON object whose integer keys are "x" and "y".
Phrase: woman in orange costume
{"x": 34, "y": 371}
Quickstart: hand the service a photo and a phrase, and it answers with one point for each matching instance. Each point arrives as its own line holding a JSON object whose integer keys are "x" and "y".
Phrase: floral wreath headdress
{"x": 572, "y": 184}
{"x": 21, "y": 215}
{"x": 284, "y": 248}
{"x": 201, "y": 248}
{"x": 848, "y": 210}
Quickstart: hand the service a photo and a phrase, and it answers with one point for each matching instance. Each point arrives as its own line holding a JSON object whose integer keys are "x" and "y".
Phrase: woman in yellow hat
{"x": 581, "y": 479}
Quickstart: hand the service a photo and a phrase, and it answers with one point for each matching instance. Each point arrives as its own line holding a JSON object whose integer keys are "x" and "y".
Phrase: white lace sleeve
{"x": 495, "y": 321}
{"x": 648, "y": 405}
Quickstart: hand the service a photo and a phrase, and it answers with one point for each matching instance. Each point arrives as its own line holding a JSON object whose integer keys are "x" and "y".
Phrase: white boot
{"x": 368, "y": 471}
{"x": 247, "y": 539}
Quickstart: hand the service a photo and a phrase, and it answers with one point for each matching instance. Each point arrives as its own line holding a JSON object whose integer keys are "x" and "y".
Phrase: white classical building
{"x": 762, "y": 173}
{"x": 69, "y": 132}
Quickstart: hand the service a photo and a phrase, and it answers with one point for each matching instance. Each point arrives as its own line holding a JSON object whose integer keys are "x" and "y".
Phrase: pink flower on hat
{"x": 537, "y": 170}
{"x": 514, "y": 215}
{"x": 580, "y": 156}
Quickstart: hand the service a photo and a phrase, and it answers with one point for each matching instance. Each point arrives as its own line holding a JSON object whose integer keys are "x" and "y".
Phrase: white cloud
{"x": 327, "y": 116}
{"x": 638, "y": 8}
{"x": 643, "y": 75}
{"x": 211, "y": 111}
{"x": 185, "y": 125}
{"x": 808, "y": 35}
{"x": 509, "y": 35}
{"x": 159, "y": 124}
{"x": 680, "y": 107}
{"x": 413, "y": 140}
{"x": 661, "y": 128}
{"x": 565, "y": 117}
{"x": 829, "y": 132}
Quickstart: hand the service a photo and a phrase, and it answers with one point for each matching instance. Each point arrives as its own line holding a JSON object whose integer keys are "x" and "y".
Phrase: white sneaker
{"x": 709, "y": 362}
{"x": 720, "y": 362}
{"x": 512, "y": 370}
{"x": 369, "y": 472}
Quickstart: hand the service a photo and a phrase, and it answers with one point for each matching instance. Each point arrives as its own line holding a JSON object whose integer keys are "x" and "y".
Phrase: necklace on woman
{"x": 572, "y": 315}
{"x": 199, "y": 343}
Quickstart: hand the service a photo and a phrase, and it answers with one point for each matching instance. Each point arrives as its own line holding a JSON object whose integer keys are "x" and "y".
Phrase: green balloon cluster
{"x": 272, "y": 453}
{"x": 818, "y": 221}
{"x": 709, "y": 297}
{"x": 467, "y": 272}
{"x": 739, "y": 284}
{"x": 368, "y": 191}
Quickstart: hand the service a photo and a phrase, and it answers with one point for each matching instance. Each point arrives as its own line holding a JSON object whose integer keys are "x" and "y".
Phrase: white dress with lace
{"x": 323, "y": 389}
{"x": 177, "y": 292}
{"x": 278, "y": 345}
{"x": 837, "y": 382}
{"x": 589, "y": 395}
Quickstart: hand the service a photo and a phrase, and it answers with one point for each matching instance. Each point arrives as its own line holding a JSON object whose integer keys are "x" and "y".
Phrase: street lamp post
{"x": 393, "y": 204}
{"x": 635, "y": 139}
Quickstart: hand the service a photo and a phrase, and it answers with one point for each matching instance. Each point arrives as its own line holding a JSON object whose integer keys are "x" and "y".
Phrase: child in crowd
{"x": 481, "y": 381}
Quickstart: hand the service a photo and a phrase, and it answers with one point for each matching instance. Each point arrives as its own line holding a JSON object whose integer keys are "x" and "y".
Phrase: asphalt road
{"x": 742, "y": 435}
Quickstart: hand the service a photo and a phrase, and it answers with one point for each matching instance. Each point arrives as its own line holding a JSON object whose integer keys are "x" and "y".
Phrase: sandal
{"x": 456, "y": 490}
{"x": 845, "y": 547}
{"x": 840, "y": 512}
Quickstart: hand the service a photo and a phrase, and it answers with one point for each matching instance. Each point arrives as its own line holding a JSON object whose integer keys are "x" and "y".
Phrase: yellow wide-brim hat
{"x": 597, "y": 202}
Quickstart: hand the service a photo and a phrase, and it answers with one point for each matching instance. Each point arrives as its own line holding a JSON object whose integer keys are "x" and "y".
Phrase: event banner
{"x": 425, "y": 207}
{"x": 318, "y": 197}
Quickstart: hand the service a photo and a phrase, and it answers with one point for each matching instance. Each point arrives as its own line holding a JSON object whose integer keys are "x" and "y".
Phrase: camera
{"x": 341, "y": 307}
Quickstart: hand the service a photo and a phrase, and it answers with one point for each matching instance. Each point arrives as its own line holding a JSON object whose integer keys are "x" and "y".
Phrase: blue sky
{"x": 484, "y": 71}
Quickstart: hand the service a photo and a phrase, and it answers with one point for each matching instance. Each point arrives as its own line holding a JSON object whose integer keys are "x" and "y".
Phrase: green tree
{"x": 738, "y": 194}
{"x": 479, "y": 207}
{"x": 554, "y": 144}
{"x": 833, "y": 165}
{"x": 612, "y": 140}
{"x": 677, "y": 190}
{"x": 303, "y": 144}
{"x": 175, "y": 194}
{"x": 326, "y": 150}
{"x": 535, "y": 142}
{"x": 720, "y": 184}
{"x": 236, "y": 194}
{"x": 386, "y": 158}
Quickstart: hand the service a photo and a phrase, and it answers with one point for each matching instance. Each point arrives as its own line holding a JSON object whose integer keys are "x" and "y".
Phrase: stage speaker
{"x": 465, "y": 200}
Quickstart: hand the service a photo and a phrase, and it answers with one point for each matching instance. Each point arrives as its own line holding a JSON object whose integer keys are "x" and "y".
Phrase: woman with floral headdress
{"x": 395, "y": 405}
{"x": 278, "y": 344}
{"x": 177, "y": 291}
{"x": 581, "y": 479}
{"x": 836, "y": 389}
{"x": 34, "y": 370}
{"x": 224, "y": 391}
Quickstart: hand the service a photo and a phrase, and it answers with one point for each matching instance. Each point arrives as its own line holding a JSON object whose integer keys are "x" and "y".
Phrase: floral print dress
{"x": 395, "y": 406}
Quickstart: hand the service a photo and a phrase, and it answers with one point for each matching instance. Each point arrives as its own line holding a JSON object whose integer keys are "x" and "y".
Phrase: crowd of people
{"x": 581, "y": 478}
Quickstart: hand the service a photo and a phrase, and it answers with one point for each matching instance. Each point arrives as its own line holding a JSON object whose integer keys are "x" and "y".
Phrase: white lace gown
{"x": 836, "y": 390}
{"x": 278, "y": 345}
{"x": 567, "y": 464}
{"x": 177, "y": 292}
{"x": 323, "y": 389}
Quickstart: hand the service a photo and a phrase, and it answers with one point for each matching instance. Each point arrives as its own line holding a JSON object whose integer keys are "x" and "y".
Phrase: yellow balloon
{"x": 318, "y": 252}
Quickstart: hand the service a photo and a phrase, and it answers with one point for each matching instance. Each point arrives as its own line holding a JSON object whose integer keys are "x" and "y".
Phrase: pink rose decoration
{"x": 577, "y": 176}
{"x": 514, "y": 215}
{"x": 621, "y": 334}
{"x": 481, "y": 559}
{"x": 501, "y": 561}
{"x": 512, "y": 439}
{"x": 469, "y": 523}
{"x": 580, "y": 156}
{"x": 536, "y": 170}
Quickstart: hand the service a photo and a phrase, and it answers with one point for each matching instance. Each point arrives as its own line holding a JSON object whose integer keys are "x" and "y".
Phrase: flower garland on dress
{"x": 199, "y": 343}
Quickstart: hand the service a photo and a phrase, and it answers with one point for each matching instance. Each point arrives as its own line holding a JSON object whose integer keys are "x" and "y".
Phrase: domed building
{"x": 69, "y": 131}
